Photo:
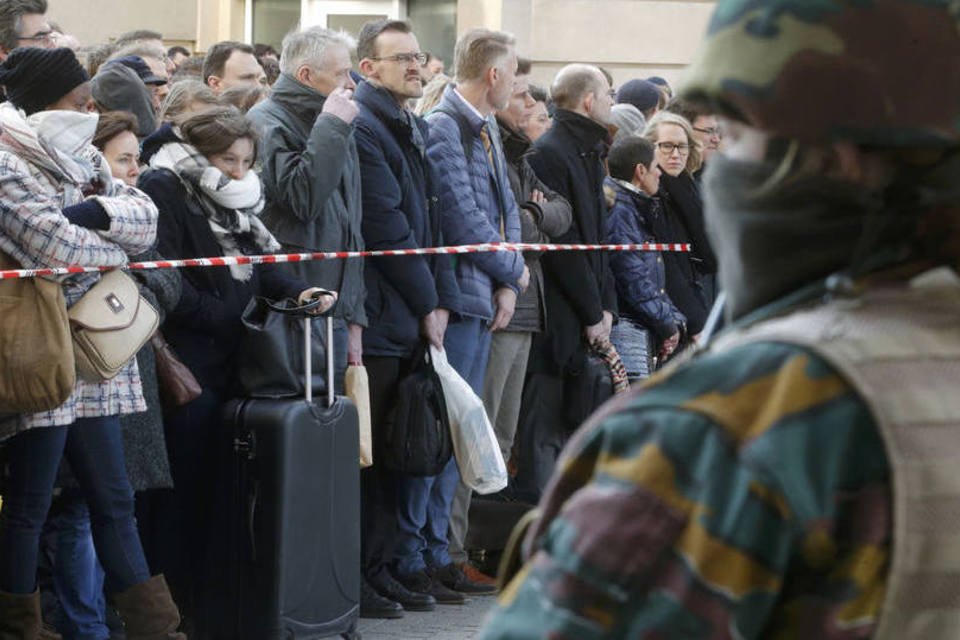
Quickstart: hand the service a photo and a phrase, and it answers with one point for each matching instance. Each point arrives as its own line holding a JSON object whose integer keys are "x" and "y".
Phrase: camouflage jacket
{"x": 742, "y": 495}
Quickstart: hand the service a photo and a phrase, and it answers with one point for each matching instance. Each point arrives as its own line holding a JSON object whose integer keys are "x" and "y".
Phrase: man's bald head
{"x": 584, "y": 89}
{"x": 573, "y": 83}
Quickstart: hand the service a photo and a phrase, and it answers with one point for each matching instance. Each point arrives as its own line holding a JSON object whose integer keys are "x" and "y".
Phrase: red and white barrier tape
{"x": 226, "y": 261}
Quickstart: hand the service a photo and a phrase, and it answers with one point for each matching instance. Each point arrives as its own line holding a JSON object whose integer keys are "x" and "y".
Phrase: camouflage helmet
{"x": 875, "y": 72}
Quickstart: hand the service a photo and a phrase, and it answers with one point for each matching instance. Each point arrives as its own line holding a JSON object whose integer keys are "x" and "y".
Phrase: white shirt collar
{"x": 468, "y": 103}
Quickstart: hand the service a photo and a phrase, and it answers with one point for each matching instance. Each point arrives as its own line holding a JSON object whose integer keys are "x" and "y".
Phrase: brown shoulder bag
{"x": 36, "y": 349}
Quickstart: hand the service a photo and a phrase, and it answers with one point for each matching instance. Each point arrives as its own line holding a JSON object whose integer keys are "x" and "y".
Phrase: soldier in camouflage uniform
{"x": 762, "y": 489}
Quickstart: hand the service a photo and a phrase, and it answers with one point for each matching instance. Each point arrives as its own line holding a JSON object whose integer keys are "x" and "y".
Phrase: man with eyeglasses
{"x": 414, "y": 294}
{"x": 311, "y": 173}
{"x": 23, "y": 23}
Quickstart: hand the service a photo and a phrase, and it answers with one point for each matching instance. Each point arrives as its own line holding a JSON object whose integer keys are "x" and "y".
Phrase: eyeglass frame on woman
{"x": 682, "y": 147}
{"x": 405, "y": 58}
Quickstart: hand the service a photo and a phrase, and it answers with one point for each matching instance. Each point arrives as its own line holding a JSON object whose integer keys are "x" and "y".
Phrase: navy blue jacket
{"x": 400, "y": 211}
{"x": 471, "y": 197}
{"x": 640, "y": 276}
{"x": 205, "y": 328}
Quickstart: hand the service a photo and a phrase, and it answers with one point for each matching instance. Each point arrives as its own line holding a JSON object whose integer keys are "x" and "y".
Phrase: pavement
{"x": 447, "y": 622}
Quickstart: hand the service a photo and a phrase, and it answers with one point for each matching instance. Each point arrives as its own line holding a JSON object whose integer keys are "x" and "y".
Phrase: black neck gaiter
{"x": 771, "y": 241}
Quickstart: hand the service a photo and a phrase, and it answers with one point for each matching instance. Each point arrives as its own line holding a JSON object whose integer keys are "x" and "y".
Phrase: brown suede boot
{"x": 148, "y": 611}
{"x": 19, "y": 616}
{"x": 48, "y": 632}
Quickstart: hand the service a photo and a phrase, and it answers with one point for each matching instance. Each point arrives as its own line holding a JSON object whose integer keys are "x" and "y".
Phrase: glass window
{"x": 273, "y": 19}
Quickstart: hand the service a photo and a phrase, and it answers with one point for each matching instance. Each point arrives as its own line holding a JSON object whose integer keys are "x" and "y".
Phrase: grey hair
{"x": 309, "y": 46}
{"x": 11, "y": 19}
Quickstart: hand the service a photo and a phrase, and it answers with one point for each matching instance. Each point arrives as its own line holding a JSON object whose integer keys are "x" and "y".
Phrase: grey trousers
{"x": 502, "y": 392}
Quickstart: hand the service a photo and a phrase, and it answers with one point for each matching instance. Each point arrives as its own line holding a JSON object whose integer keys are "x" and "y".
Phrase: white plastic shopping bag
{"x": 474, "y": 442}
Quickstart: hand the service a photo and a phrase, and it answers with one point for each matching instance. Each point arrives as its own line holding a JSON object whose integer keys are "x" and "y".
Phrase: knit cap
{"x": 36, "y": 78}
{"x": 642, "y": 94}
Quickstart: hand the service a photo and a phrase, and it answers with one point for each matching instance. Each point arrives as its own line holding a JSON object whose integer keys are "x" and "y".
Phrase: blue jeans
{"x": 424, "y": 503}
{"x": 77, "y": 575}
{"x": 94, "y": 450}
{"x": 467, "y": 344}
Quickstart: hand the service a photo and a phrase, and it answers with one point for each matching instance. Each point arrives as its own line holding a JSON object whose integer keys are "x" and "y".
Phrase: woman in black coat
{"x": 678, "y": 156}
{"x": 209, "y": 201}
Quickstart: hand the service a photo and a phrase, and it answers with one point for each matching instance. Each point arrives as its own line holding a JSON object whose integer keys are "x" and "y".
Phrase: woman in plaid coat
{"x": 59, "y": 206}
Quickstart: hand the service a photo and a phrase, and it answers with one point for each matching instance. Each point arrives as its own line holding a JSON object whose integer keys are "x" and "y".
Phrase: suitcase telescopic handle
{"x": 308, "y": 349}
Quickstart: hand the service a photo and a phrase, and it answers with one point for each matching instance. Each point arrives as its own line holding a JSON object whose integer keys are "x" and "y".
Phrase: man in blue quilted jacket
{"x": 478, "y": 207}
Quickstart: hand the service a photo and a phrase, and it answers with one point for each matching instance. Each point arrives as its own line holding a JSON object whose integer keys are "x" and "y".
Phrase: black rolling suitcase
{"x": 284, "y": 562}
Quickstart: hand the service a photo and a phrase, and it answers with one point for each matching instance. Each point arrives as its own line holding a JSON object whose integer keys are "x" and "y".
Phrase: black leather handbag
{"x": 416, "y": 437}
{"x": 270, "y": 363}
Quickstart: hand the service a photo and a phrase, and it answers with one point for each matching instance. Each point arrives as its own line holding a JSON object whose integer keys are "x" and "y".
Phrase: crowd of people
{"x": 126, "y": 151}
{"x": 249, "y": 151}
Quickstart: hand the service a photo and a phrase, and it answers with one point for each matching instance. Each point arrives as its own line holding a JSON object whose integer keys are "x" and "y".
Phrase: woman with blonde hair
{"x": 677, "y": 153}
{"x": 432, "y": 93}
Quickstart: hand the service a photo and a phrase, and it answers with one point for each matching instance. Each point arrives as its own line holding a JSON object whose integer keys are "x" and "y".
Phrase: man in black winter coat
{"x": 579, "y": 288}
{"x": 580, "y": 291}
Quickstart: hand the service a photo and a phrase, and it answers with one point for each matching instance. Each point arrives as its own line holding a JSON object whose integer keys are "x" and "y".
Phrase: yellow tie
{"x": 488, "y": 147}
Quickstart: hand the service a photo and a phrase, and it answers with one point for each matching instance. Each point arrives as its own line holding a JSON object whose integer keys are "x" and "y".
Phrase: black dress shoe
{"x": 374, "y": 605}
{"x": 409, "y": 599}
{"x": 423, "y": 583}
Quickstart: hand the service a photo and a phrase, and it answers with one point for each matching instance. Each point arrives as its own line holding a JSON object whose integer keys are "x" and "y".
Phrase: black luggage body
{"x": 284, "y": 562}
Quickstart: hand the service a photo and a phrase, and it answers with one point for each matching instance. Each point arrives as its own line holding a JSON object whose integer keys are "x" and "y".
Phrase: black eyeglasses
{"x": 41, "y": 36}
{"x": 669, "y": 147}
{"x": 713, "y": 132}
{"x": 405, "y": 58}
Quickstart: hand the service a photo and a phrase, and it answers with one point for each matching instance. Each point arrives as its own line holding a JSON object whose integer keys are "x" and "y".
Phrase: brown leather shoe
{"x": 453, "y": 578}
{"x": 475, "y": 575}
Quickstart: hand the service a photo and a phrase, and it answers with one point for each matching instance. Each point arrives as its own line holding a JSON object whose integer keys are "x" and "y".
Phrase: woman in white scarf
{"x": 209, "y": 201}
{"x": 59, "y": 205}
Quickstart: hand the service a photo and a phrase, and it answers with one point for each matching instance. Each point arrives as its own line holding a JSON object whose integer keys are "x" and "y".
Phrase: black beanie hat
{"x": 36, "y": 78}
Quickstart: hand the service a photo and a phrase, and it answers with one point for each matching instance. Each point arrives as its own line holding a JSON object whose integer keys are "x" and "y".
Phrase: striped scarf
{"x": 232, "y": 207}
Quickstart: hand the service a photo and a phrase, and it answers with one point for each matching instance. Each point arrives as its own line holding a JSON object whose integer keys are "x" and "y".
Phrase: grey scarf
{"x": 769, "y": 244}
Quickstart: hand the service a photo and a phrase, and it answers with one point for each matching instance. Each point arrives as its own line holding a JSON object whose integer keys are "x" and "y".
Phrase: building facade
{"x": 630, "y": 38}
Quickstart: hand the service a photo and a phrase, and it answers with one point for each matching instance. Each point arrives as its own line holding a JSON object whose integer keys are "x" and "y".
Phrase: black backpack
{"x": 416, "y": 438}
